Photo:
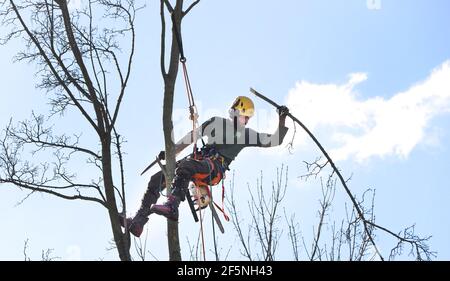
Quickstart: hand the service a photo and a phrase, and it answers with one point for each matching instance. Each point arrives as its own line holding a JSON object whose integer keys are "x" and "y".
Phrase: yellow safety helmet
{"x": 244, "y": 106}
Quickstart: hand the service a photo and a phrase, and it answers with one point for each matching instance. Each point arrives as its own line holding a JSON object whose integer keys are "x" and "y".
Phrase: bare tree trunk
{"x": 172, "y": 226}
{"x": 121, "y": 240}
{"x": 169, "y": 89}
{"x": 170, "y": 78}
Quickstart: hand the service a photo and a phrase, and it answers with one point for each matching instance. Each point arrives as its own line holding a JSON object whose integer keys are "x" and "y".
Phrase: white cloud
{"x": 375, "y": 126}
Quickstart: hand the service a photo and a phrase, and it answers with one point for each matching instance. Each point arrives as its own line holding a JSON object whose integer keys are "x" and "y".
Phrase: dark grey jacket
{"x": 229, "y": 139}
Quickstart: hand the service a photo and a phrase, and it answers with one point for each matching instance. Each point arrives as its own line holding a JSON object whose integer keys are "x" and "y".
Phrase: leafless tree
{"x": 293, "y": 234}
{"x": 265, "y": 218}
{"x": 170, "y": 74}
{"x": 25, "y": 248}
{"x": 46, "y": 255}
{"x": 349, "y": 242}
{"x": 359, "y": 228}
{"x": 332, "y": 238}
{"x": 83, "y": 64}
{"x": 328, "y": 192}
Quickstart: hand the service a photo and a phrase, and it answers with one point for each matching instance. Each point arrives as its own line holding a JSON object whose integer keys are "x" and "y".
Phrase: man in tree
{"x": 226, "y": 138}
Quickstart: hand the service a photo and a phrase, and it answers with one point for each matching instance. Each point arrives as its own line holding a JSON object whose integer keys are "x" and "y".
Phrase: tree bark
{"x": 122, "y": 240}
{"x": 169, "y": 89}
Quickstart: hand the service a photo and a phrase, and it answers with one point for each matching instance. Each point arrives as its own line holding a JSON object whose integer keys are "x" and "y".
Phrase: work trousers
{"x": 184, "y": 173}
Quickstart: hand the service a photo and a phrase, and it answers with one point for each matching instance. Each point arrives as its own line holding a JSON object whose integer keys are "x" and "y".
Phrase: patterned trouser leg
{"x": 184, "y": 173}
{"x": 155, "y": 185}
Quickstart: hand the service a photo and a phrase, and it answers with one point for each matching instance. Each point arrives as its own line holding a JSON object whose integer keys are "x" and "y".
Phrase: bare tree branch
{"x": 46, "y": 255}
{"x": 265, "y": 217}
{"x": 293, "y": 234}
{"x": 418, "y": 245}
{"x": 328, "y": 193}
{"x": 49, "y": 64}
{"x": 25, "y": 247}
{"x": 163, "y": 41}
{"x": 130, "y": 18}
{"x": 34, "y": 132}
{"x": 168, "y": 5}
{"x": 237, "y": 223}
{"x": 102, "y": 121}
{"x": 52, "y": 192}
{"x": 190, "y": 7}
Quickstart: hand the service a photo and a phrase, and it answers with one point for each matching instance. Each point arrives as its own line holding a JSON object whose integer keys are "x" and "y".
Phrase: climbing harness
{"x": 217, "y": 167}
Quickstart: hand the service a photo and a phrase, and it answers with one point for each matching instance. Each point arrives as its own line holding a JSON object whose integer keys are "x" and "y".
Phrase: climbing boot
{"x": 134, "y": 225}
{"x": 169, "y": 209}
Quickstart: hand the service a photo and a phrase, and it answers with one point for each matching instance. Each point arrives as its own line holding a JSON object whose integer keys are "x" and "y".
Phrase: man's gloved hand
{"x": 282, "y": 111}
{"x": 162, "y": 155}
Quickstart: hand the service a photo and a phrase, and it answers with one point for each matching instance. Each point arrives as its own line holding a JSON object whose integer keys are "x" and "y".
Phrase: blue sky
{"x": 372, "y": 84}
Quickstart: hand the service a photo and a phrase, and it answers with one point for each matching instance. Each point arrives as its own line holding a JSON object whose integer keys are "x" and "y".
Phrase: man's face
{"x": 243, "y": 120}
